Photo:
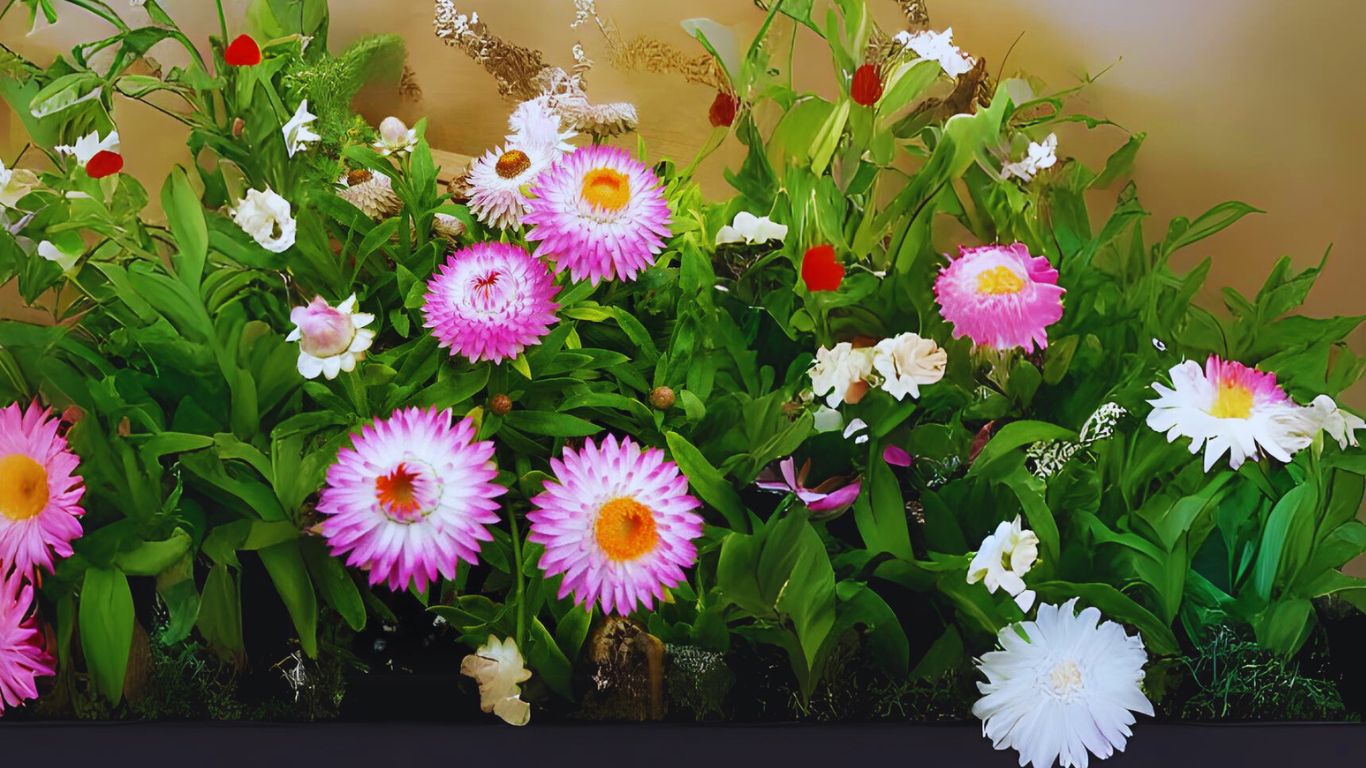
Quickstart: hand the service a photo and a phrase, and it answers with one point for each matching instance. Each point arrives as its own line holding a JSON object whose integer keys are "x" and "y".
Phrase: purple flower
{"x": 828, "y": 499}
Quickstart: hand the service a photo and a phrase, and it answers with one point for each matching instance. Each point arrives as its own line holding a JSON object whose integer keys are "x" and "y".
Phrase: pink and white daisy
{"x": 1228, "y": 407}
{"x": 1000, "y": 296}
{"x": 499, "y": 180}
{"x": 618, "y": 523}
{"x": 600, "y": 214}
{"x": 39, "y": 492}
{"x": 412, "y": 498}
{"x": 331, "y": 339}
{"x": 22, "y": 657}
{"x": 490, "y": 301}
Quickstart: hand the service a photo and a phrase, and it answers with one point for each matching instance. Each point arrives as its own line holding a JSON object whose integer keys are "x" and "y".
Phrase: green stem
{"x": 519, "y": 578}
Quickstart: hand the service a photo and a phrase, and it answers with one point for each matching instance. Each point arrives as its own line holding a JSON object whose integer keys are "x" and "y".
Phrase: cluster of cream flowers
{"x": 899, "y": 365}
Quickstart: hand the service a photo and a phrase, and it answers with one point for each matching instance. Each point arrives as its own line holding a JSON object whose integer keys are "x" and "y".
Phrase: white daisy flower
{"x": 1037, "y": 158}
{"x": 838, "y": 369}
{"x": 371, "y": 192}
{"x": 751, "y": 230}
{"x": 268, "y": 218}
{"x": 1227, "y": 407}
{"x": 1323, "y": 414}
{"x": 939, "y": 47}
{"x": 331, "y": 339}
{"x": 500, "y": 670}
{"x": 534, "y": 124}
{"x": 498, "y": 183}
{"x": 395, "y": 137}
{"x": 907, "y": 362}
{"x": 297, "y": 133}
{"x": 90, "y": 145}
{"x": 1003, "y": 559}
{"x": 1062, "y": 684}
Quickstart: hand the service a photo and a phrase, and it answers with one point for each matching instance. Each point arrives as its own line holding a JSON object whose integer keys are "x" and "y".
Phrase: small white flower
{"x": 371, "y": 192}
{"x": 939, "y": 47}
{"x": 64, "y": 259}
{"x": 1037, "y": 158}
{"x": 536, "y": 126}
{"x": 331, "y": 339}
{"x": 90, "y": 145}
{"x": 1061, "y": 685}
{"x": 1003, "y": 560}
{"x": 267, "y": 217}
{"x": 837, "y": 369}
{"x": 15, "y": 183}
{"x": 498, "y": 182}
{"x": 854, "y": 428}
{"x": 297, "y": 133}
{"x": 907, "y": 362}
{"x": 1324, "y": 414}
{"x": 499, "y": 669}
{"x": 750, "y": 229}
{"x": 395, "y": 137}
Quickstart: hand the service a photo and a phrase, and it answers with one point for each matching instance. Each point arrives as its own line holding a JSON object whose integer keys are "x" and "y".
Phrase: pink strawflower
{"x": 1000, "y": 296}
{"x": 490, "y": 301}
{"x": 412, "y": 498}
{"x": 618, "y": 523}
{"x": 598, "y": 213}
{"x": 22, "y": 657}
{"x": 828, "y": 499}
{"x": 39, "y": 492}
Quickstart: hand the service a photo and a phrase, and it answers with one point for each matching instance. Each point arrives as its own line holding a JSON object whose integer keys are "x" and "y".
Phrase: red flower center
{"x": 242, "y": 52}
{"x": 397, "y": 492}
{"x": 104, "y": 163}
{"x": 866, "y": 87}
{"x": 723, "y": 109}
{"x": 821, "y": 271}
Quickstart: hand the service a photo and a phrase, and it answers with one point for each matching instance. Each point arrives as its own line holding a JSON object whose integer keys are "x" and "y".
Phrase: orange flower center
{"x": 397, "y": 491}
{"x": 999, "y": 279}
{"x": 512, "y": 163}
{"x": 606, "y": 189}
{"x": 625, "y": 529}
{"x": 23, "y": 488}
{"x": 1231, "y": 401}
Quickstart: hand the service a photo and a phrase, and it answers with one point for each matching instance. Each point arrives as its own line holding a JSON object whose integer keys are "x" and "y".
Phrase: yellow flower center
{"x": 606, "y": 189}
{"x": 23, "y": 487}
{"x": 625, "y": 529}
{"x": 1231, "y": 401}
{"x": 999, "y": 279}
{"x": 512, "y": 164}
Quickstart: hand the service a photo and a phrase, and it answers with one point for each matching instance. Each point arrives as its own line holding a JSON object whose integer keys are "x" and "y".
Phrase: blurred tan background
{"x": 1259, "y": 100}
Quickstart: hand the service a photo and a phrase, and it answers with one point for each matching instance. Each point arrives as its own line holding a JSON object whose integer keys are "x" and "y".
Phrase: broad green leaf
{"x": 707, "y": 481}
{"x": 106, "y": 626}
{"x": 286, "y": 566}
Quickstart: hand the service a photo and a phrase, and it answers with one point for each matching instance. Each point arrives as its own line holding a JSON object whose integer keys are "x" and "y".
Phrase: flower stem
{"x": 518, "y": 578}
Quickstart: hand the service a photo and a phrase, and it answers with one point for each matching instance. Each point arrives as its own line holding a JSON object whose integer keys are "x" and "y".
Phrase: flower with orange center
{"x": 617, "y": 523}
{"x": 598, "y": 213}
{"x": 1229, "y": 407}
{"x": 39, "y": 492}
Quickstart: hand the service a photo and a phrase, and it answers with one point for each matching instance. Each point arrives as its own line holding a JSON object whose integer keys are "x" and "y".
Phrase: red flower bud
{"x": 866, "y": 87}
{"x": 723, "y": 109}
{"x": 242, "y": 52}
{"x": 821, "y": 271}
{"x": 104, "y": 163}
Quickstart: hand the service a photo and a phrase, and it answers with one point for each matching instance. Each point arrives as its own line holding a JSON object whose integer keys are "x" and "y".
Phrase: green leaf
{"x": 335, "y": 583}
{"x": 186, "y": 217}
{"x": 1295, "y": 509}
{"x": 1015, "y": 435}
{"x": 286, "y": 566}
{"x": 220, "y": 613}
{"x": 150, "y": 558}
{"x": 809, "y": 594}
{"x": 545, "y": 657}
{"x": 106, "y": 626}
{"x": 551, "y": 424}
{"x": 707, "y": 480}
{"x": 1116, "y": 606}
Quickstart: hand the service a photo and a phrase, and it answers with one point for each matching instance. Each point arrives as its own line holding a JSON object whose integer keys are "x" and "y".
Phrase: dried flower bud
{"x": 662, "y": 398}
{"x": 72, "y": 414}
{"x": 239, "y": 126}
{"x": 723, "y": 109}
{"x": 125, "y": 428}
{"x": 500, "y": 404}
{"x": 358, "y": 176}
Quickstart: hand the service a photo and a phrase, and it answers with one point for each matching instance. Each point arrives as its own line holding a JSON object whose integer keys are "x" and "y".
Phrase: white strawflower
{"x": 837, "y": 369}
{"x": 1037, "y": 158}
{"x": 1324, "y": 414}
{"x": 15, "y": 183}
{"x": 297, "y": 133}
{"x": 371, "y": 192}
{"x": 331, "y": 339}
{"x": 1062, "y": 685}
{"x": 62, "y": 258}
{"x": 1003, "y": 559}
{"x": 908, "y": 362}
{"x": 750, "y": 229}
{"x": 498, "y": 183}
{"x": 499, "y": 669}
{"x": 939, "y": 47}
{"x": 535, "y": 125}
{"x": 1227, "y": 407}
{"x": 395, "y": 137}
{"x": 90, "y": 145}
{"x": 267, "y": 217}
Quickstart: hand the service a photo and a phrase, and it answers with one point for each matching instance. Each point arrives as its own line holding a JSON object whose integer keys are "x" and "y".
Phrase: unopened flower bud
{"x": 239, "y": 126}
{"x": 500, "y": 404}
{"x": 662, "y": 398}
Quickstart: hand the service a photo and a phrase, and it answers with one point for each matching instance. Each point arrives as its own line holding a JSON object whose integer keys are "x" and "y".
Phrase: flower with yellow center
{"x": 617, "y": 523}
{"x": 39, "y": 492}
{"x": 1000, "y": 296}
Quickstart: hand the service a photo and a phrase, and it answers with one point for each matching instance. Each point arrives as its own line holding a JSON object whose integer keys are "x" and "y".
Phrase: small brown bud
{"x": 358, "y": 176}
{"x": 662, "y": 398}
{"x": 72, "y": 414}
{"x": 500, "y": 404}
{"x": 125, "y": 428}
{"x": 239, "y": 126}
